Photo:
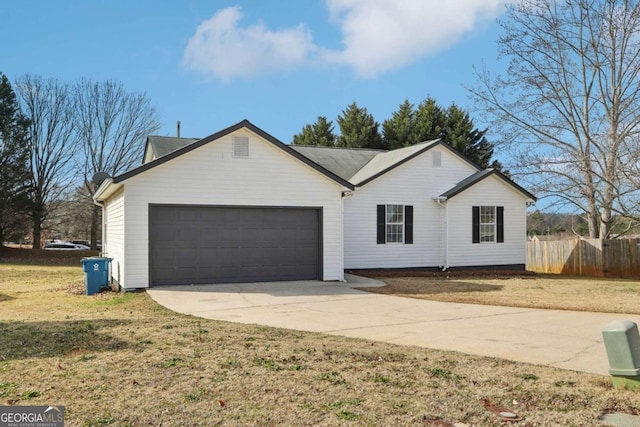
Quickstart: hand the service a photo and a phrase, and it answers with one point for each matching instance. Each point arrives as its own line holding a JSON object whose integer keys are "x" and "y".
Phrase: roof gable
{"x": 479, "y": 176}
{"x": 389, "y": 160}
{"x": 361, "y": 166}
{"x": 240, "y": 125}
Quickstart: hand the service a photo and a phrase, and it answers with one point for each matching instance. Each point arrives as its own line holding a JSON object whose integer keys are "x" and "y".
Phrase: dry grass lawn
{"x": 516, "y": 290}
{"x": 121, "y": 360}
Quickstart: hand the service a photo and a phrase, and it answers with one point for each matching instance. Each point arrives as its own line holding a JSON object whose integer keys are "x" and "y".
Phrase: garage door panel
{"x": 229, "y": 234}
{"x": 209, "y": 252}
{"x": 164, "y": 255}
{"x": 186, "y": 235}
{"x": 233, "y": 244}
{"x": 252, "y": 257}
{"x": 227, "y": 258}
{"x": 187, "y": 256}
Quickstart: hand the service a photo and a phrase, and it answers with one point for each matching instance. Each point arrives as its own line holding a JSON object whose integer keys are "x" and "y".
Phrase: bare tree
{"x": 569, "y": 104}
{"x": 47, "y": 105}
{"x": 111, "y": 126}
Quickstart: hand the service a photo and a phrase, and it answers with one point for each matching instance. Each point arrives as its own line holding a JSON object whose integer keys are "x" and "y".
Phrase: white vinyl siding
{"x": 493, "y": 192}
{"x": 414, "y": 183}
{"x": 210, "y": 175}
{"x": 114, "y": 238}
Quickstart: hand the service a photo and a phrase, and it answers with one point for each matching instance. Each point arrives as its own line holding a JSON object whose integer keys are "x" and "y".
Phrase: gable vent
{"x": 437, "y": 159}
{"x": 241, "y": 146}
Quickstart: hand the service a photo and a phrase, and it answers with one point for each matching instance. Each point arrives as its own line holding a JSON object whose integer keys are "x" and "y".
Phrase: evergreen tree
{"x": 407, "y": 126}
{"x": 429, "y": 121}
{"x": 305, "y": 137}
{"x": 319, "y": 133}
{"x": 400, "y": 130}
{"x": 14, "y": 158}
{"x": 358, "y": 129}
{"x": 461, "y": 134}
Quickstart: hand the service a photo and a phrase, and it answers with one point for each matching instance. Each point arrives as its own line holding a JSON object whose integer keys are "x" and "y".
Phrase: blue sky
{"x": 278, "y": 63}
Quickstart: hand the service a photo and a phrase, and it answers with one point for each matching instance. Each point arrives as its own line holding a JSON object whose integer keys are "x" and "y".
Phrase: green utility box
{"x": 622, "y": 341}
{"x": 96, "y": 273}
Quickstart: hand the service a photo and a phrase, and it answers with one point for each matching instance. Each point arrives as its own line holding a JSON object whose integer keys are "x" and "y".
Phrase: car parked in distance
{"x": 86, "y": 243}
{"x": 65, "y": 247}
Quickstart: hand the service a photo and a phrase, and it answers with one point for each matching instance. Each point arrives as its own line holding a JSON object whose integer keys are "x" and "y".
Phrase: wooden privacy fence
{"x": 585, "y": 257}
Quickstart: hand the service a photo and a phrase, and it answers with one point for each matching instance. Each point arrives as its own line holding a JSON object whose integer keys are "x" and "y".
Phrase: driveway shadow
{"x": 21, "y": 340}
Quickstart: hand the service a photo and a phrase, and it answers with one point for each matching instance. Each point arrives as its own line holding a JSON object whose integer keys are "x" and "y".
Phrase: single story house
{"x": 240, "y": 206}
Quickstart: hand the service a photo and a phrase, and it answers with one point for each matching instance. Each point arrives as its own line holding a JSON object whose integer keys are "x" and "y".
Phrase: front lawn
{"x": 121, "y": 360}
{"x": 514, "y": 289}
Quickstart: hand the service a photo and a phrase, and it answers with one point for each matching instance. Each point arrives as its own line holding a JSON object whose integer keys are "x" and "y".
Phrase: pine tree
{"x": 319, "y": 133}
{"x": 14, "y": 157}
{"x": 429, "y": 121}
{"x": 399, "y": 131}
{"x": 358, "y": 129}
{"x": 462, "y": 135}
{"x": 407, "y": 126}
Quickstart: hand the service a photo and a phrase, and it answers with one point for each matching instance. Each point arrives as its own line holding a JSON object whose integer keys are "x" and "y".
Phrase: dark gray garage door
{"x": 196, "y": 245}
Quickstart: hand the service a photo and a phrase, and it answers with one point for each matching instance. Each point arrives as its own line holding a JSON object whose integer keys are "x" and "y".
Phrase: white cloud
{"x": 377, "y": 36}
{"x": 220, "y": 47}
{"x": 381, "y": 35}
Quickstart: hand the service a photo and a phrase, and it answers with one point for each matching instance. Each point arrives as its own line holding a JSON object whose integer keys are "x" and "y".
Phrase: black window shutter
{"x": 500, "y": 224}
{"x": 408, "y": 224}
{"x": 476, "y": 223}
{"x": 381, "y": 225}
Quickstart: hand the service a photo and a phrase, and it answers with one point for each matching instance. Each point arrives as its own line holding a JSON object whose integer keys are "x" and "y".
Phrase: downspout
{"x": 441, "y": 201}
{"x": 101, "y": 205}
{"x": 345, "y": 194}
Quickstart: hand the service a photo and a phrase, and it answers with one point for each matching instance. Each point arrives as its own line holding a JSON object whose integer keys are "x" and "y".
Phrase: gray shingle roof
{"x": 479, "y": 176}
{"x": 344, "y": 162}
{"x": 387, "y": 160}
{"x": 349, "y": 166}
{"x": 163, "y": 145}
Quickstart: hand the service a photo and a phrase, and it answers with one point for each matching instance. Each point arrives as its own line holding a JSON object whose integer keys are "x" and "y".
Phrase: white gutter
{"x": 101, "y": 189}
{"x": 444, "y": 243}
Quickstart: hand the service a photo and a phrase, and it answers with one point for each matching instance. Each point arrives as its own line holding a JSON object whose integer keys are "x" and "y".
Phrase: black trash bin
{"x": 96, "y": 273}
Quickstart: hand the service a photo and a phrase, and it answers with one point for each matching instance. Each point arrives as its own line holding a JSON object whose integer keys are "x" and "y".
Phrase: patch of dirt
{"x": 75, "y": 288}
{"x": 500, "y": 411}
{"x": 435, "y": 422}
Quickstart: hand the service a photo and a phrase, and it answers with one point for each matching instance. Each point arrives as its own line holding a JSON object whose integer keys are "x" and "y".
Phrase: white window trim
{"x": 494, "y": 224}
{"x": 387, "y": 223}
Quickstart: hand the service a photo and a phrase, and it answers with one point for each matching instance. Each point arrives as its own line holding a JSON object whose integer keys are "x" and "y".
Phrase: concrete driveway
{"x": 562, "y": 339}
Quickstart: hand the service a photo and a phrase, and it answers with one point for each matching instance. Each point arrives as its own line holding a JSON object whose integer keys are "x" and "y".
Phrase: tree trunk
{"x": 37, "y": 231}
{"x": 593, "y": 215}
{"x": 95, "y": 219}
{"x": 594, "y": 225}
